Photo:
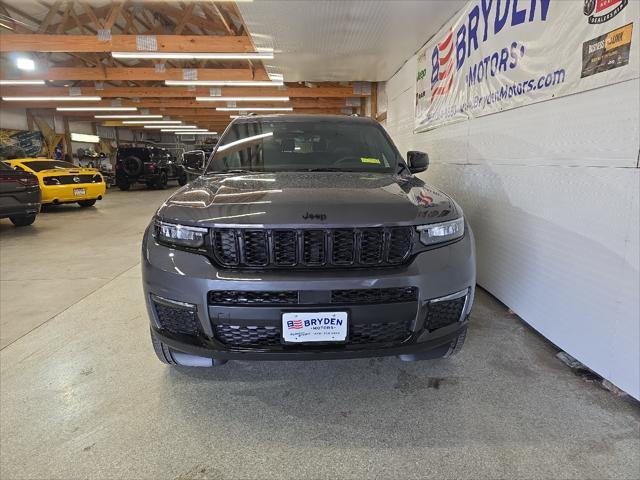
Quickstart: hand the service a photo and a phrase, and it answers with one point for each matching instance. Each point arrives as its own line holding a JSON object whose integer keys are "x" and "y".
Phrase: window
{"x": 306, "y": 144}
{"x": 39, "y": 165}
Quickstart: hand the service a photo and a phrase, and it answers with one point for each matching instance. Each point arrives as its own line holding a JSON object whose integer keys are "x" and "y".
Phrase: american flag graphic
{"x": 294, "y": 324}
{"x": 445, "y": 67}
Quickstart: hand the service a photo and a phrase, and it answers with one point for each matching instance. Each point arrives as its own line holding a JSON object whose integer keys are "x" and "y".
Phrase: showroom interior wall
{"x": 16, "y": 119}
{"x": 551, "y": 191}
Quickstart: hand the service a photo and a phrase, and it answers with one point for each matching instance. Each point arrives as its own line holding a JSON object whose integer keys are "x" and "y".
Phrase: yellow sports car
{"x": 63, "y": 182}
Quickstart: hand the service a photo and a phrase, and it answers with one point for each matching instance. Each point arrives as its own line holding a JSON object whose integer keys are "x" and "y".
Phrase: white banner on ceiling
{"x": 500, "y": 54}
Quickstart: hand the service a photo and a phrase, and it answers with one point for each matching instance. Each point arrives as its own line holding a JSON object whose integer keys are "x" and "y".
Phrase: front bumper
{"x": 186, "y": 277}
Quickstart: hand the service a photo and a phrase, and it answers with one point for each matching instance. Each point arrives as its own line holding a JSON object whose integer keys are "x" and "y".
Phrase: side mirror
{"x": 193, "y": 161}
{"x": 418, "y": 161}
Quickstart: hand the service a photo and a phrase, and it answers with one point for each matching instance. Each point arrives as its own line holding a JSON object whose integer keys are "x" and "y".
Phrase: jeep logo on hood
{"x": 314, "y": 216}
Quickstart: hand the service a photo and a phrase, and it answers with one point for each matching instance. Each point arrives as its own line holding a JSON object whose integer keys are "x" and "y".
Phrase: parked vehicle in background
{"x": 153, "y": 166}
{"x": 19, "y": 196}
{"x": 100, "y": 161}
{"x": 63, "y": 182}
{"x": 307, "y": 237}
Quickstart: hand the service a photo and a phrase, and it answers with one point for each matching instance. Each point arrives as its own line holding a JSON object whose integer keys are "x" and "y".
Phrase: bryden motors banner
{"x": 500, "y": 54}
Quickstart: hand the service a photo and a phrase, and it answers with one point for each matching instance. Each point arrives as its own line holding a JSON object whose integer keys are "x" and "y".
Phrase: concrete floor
{"x": 83, "y": 396}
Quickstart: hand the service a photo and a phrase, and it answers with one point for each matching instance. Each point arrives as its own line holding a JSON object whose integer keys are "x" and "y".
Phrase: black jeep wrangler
{"x": 152, "y": 166}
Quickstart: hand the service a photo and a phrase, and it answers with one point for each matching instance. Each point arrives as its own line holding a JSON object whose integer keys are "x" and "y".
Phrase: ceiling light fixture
{"x": 195, "y": 133}
{"x": 223, "y": 83}
{"x": 151, "y": 122}
{"x": 255, "y": 109}
{"x": 78, "y": 98}
{"x": 96, "y": 109}
{"x": 131, "y": 117}
{"x": 176, "y": 127}
{"x": 193, "y": 55}
{"x": 242, "y": 99}
{"x": 25, "y": 63}
{"x": 83, "y": 137}
{"x": 183, "y": 130}
{"x": 22, "y": 82}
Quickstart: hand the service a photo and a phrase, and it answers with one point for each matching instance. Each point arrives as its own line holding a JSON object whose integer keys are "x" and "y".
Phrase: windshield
{"x": 38, "y": 165}
{"x": 267, "y": 145}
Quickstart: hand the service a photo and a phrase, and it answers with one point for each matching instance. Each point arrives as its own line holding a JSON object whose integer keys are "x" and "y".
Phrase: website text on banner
{"x": 496, "y": 55}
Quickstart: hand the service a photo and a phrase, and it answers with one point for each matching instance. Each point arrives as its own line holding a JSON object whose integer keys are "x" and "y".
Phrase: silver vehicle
{"x": 307, "y": 237}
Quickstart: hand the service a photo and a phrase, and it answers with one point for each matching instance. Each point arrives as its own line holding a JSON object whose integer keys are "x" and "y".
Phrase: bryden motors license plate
{"x": 79, "y": 192}
{"x": 298, "y": 327}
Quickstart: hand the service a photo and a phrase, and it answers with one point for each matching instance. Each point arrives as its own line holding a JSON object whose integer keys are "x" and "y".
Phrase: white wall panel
{"x": 551, "y": 191}
{"x": 11, "y": 118}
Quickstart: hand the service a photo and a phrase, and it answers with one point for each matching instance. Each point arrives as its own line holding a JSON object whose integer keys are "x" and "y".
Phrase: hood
{"x": 296, "y": 199}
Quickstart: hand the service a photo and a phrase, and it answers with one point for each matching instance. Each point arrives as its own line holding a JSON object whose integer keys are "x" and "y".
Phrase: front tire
{"x": 182, "y": 180}
{"x": 87, "y": 203}
{"x": 23, "y": 220}
{"x": 123, "y": 185}
{"x": 162, "y": 351}
{"x": 165, "y": 354}
{"x": 456, "y": 345}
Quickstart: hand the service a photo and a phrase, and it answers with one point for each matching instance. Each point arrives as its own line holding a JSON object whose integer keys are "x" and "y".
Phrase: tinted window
{"x": 4, "y": 166}
{"x": 266, "y": 145}
{"x": 38, "y": 165}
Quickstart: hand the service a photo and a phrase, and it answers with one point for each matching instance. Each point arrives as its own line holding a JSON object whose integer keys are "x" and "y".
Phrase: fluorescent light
{"x": 25, "y": 63}
{"x": 81, "y": 137}
{"x": 21, "y": 82}
{"x": 223, "y": 83}
{"x": 195, "y": 55}
{"x": 255, "y": 109}
{"x": 96, "y": 109}
{"x": 127, "y": 116}
{"x": 78, "y": 98}
{"x": 183, "y": 130}
{"x": 176, "y": 127}
{"x": 195, "y": 133}
{"x": 151, "y": 122}
{"x": 242, "y": 99}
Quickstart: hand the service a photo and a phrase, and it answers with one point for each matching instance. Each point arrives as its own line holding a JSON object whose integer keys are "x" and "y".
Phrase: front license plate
{"x": 298, "y": 327}
{"x": 79, "y": 192}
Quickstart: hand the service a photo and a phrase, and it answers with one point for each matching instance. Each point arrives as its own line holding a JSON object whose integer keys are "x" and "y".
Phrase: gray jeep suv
{"x": 307, "y": 237}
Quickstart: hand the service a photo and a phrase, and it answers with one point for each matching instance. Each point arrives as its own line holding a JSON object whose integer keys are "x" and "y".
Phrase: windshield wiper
{"x": 326, "y": 169}
{"x": 237, "y": 170}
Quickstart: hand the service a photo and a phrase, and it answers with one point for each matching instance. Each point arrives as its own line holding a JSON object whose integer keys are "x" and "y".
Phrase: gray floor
{"x": 82, "y": 395}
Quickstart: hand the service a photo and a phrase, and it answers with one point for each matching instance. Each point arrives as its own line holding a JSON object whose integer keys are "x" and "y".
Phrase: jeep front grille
{"x": 311, "y": 248}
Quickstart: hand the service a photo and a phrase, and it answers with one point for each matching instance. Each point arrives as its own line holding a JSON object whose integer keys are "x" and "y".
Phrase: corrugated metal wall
{"x": 552, "y": 193}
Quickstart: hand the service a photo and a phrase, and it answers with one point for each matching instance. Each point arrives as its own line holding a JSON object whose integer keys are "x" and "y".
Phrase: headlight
{"x": 179, "y": 235}
{"x": 441, "y": 232}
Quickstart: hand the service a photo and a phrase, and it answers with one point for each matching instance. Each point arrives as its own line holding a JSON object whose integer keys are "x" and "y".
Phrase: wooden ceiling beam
{"x": 123, "y": 43}
{"x": 182, "y": 92}
{"x": 192, "y": 108}
{"x": 46, "y": 21}
{"x": 142, "y": 74}
{"x": 91, "y": 14}
{"x": 115, "y": 12}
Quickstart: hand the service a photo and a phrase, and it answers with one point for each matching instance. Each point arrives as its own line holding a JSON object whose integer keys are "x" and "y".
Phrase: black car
{"x": 19, "y": 196}
{"x": 152, "y": 166}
